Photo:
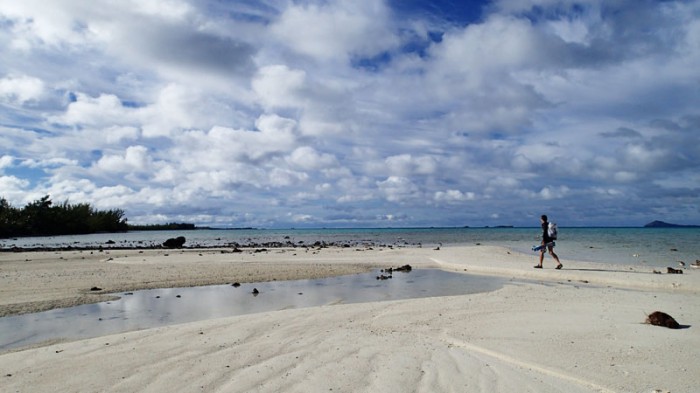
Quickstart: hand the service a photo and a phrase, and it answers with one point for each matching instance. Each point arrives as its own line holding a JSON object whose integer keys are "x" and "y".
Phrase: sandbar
{"x": 579, "y": 329}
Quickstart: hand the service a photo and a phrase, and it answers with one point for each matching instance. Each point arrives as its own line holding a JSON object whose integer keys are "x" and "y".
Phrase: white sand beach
{"x": 579, "y": 329}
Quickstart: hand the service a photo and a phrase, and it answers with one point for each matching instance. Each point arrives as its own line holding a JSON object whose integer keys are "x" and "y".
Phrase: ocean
{"x": 655, "y": 247}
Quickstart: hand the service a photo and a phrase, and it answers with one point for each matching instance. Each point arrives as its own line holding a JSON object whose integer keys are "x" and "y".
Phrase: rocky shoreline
{"x": 196, "y": 246}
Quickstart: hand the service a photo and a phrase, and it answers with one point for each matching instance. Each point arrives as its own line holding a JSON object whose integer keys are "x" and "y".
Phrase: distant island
{"x": 661, "y": 224}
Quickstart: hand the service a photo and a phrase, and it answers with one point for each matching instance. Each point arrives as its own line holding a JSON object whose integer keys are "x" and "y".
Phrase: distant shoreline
{"x": 166, "y": 228}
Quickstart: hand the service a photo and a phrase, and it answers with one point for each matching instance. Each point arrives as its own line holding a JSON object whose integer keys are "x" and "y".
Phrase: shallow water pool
{"x": 160, "y": 307}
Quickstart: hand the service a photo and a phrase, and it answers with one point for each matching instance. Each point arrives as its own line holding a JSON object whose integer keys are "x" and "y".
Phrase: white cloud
{"x": 175, "y": 107}
{"x": 116, "y": 134}
{"x": 453, "y": 196}
{"x": 300, "y": 218}
{"x": 104, "y": 110}
{"x": 171, "y": 9}
{"x": 540, "y": 154}
{"x": 640, "y": 157}
{"x": 571, "y": 31}
{"x": 279, "y": 87}
{"x": 12, "y": 186}
{"x": 335, "y": 31}
{"x": 625, "y": 176}
{"x": 501, "y": 42}
{"x": 6, "y": 161}
{"x": 398, "y": 189}
{"x": 280, "y": 177}
{"x": 405, "y": 164}
{"x": 550, "y": 192}
{"x": 20, "y": 89}
{"x": 37, "y": 23}
{"x": 134, "y": 160}
{"x": 307, "y": 158}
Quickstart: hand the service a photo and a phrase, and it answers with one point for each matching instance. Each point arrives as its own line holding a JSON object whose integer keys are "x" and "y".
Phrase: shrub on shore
{"x": 44, "y": 218}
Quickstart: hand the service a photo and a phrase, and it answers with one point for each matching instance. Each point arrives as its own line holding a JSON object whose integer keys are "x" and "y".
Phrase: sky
{"x": 362, "y": 113}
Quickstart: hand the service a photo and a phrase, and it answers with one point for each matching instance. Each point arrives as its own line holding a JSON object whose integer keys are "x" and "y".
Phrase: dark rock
{"x": 658, "y": 318}
{"x": 236, "y": 284}
{"x": 256, "y": 292}
{"x": 95, "y": 289}
{"x": 389, "y": 271}
{"x": 674, "y": 271}
{"x": 110, "y": 242}
{"x": 177, "y": 242}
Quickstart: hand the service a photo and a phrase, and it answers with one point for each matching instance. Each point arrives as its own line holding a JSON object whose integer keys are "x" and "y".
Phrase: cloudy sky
{"x": 362, "y": 113}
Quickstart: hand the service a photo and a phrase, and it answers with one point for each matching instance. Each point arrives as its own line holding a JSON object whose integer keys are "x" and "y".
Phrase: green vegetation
{"x": 43, "y": 218}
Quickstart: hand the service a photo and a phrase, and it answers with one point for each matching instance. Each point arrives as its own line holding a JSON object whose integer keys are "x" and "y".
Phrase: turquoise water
{"x": 656, "y": 247}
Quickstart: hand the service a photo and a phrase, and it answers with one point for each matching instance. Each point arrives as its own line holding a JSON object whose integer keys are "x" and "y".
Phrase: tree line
{"x": 44, "y": 218}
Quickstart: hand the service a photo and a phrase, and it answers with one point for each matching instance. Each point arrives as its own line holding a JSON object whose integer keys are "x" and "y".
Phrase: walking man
{"x": 547, "y": 243}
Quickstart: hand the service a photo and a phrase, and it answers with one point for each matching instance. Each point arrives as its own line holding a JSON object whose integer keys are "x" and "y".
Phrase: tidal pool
{"x": 160, "y": 307}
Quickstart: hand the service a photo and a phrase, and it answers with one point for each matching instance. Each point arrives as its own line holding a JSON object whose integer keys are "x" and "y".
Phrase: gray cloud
{"x": 175, "y": 45}
{"x": 622, "y": 132}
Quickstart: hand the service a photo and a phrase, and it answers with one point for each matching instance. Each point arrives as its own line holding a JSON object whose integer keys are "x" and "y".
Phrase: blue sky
{"x": 277, "y": 113}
